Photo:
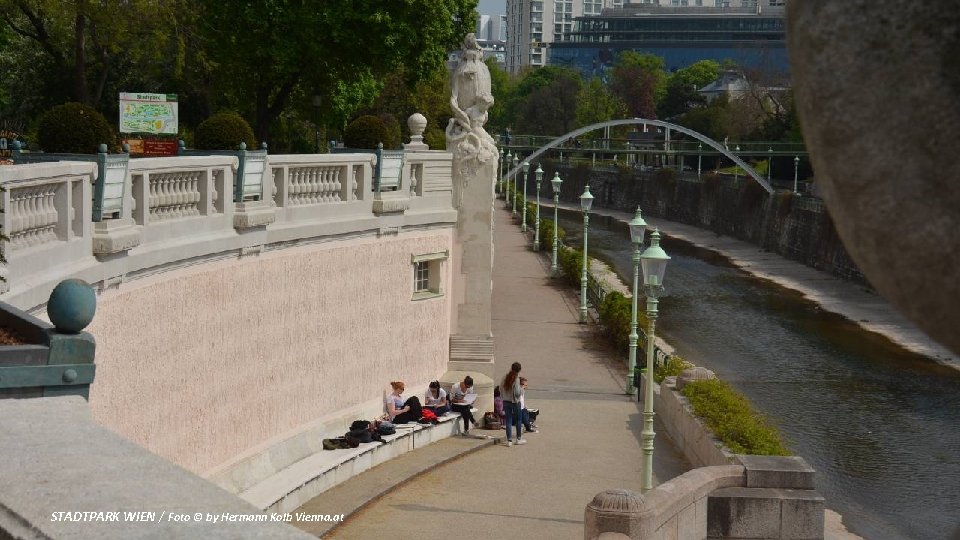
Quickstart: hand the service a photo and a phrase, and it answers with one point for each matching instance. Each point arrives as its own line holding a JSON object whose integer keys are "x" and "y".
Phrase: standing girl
{"x": 511, "y": 392}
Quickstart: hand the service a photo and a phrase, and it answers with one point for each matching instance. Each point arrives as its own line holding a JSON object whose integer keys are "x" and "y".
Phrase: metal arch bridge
{"x": 642, "y": 121}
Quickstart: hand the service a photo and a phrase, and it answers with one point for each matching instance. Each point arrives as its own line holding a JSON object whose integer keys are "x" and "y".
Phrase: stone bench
{"x": 291, "y": 487}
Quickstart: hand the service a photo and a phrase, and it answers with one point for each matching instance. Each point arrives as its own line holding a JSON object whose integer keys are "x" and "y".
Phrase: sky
{"x": 492, "y": 7}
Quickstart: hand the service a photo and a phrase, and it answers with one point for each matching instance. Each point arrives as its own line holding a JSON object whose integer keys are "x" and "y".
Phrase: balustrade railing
{"x": 156, "y": 211}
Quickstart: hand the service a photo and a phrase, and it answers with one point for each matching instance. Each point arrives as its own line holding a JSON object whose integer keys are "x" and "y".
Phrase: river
{"x": 880, "y": 425}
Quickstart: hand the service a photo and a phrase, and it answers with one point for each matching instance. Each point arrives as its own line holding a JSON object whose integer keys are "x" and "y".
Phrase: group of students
{"x": 508, "y": 399}
{"x": 436, "y": 399}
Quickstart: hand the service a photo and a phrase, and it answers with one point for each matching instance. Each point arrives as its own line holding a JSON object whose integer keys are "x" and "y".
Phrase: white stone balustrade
{"x": 179, "y": 209}
{"x": 47, "y": 218}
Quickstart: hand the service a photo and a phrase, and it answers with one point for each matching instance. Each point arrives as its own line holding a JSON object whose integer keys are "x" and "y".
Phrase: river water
{"x": 880, "y": 425}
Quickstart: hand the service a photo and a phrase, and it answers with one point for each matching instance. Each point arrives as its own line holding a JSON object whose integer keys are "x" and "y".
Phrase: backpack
{"x": 428, "y": 415}
{"x": 386, "y": 428}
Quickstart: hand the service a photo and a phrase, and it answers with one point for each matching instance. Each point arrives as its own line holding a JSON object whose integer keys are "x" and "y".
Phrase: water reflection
{"x": 879, "y": 424}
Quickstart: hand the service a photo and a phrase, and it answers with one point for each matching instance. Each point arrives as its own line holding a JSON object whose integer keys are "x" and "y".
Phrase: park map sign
{"x": 155, "y": 114}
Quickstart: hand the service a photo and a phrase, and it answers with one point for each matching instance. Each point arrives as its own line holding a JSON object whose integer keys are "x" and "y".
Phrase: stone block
{"x": 777, "y": 472}
{"x": 802, "y": 517}
{"x": 253, "y": 214}
{"x": 743, "y": 513}
{"x": 115, "y": 235}
{"x": 687, "y": 526}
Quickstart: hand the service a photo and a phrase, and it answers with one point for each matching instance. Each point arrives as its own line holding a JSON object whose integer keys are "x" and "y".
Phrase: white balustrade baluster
{"x": 337, "y": 184}
{"x": 194, "y": 194}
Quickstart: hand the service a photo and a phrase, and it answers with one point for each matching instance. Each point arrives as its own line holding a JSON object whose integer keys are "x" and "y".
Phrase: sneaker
{"x": 521, "y": 441}
{"x": 509, "y": 444}
{"x": 532, "y": 430}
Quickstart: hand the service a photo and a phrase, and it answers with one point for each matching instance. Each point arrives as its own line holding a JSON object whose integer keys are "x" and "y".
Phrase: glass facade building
{"x": 754, "y": 39}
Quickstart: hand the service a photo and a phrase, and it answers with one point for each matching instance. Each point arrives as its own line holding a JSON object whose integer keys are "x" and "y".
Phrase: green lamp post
{"x": 513, "y": 197}
{"x": 500, "y": 176}
{"x": 586, "y": 201}
{"x": 699, "y": 157}
{"x": 796, "y": 167}
{"x": 654, "y": 264}
{"x": 638, "y": 227}
{"x": 523, "y": 211}
{"x": 536, "y": 220}
{"x": 769, "y": 163}
{"x": 506, "y": 178}
{"x": 736, "y": 168}
{"x": 556, "y": 227}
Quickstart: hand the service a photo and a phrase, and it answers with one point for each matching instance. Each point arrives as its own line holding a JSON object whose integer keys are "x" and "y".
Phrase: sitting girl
{"x": 400, "y": 411}
{"x": 436, "y": 399}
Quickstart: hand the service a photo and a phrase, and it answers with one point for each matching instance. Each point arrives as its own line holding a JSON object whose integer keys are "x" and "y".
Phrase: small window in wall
{"x": 428, "y": 274}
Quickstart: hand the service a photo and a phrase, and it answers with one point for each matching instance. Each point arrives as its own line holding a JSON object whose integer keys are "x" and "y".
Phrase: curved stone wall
{"x": 202, "y": 363}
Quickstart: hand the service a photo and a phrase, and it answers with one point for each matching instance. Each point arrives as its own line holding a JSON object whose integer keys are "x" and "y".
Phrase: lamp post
{"x": 699, "y": 157}
{"x": 500, "y": 176}
{"x": 586, "y": 201}
{"x": 769, "y": 163}
{"x": 556, "y": 202}
{"x": 536, "y": 220}
{"x": 513, "y": 198}
{"x": 654, "y": 263}
{"x": 506, "y": 180}
{"x": 317, "y": 101}
{"x": 796, "y": 166}
{"x": 736, "y": 168}
{"x": 637, "y": 229}
{"x": 523, "y": 211}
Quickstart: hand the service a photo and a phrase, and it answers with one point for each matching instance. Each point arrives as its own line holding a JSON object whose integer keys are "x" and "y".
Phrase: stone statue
{"x": 470, "y": 98}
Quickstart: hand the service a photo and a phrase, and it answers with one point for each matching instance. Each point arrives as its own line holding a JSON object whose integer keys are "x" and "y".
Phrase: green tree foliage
{"x": 639, "y": 80}
{"x": 682, "y": 88}
{"x": 596, "y": 104}
{"x": 88, "y": 48}
{"x": 712, "y": 120}
{"x": 224, "y": 131}
{"x": 550, "y": 101}
{"x": 367, "y": 131}
{"x": 285, "y": 44}
{"x": 502, "y": 87}
{"x": 75, "y": 128}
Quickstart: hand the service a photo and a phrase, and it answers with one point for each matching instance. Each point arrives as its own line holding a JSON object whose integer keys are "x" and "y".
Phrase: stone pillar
{"x": 474, "y": 173}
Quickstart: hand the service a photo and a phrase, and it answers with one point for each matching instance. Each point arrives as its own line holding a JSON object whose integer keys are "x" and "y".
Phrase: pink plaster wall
{"x": 200, "y": 364}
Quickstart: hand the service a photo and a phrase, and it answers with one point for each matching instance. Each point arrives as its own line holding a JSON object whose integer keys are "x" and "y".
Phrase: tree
{"x": 550, "y": 107}
{"x": 319, "y": 45}
{"x": 639, "y": 80}
{"x": 86, "y": 44}
{"x": 682, "y": 88}
{"x": 596, "y": 104}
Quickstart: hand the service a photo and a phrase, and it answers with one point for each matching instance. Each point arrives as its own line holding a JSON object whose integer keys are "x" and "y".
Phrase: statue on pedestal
{"x": 470, "y": 98}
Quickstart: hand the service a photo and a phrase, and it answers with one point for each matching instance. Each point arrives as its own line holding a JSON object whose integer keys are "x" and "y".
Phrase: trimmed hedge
{"x": 75, "y": 128}
{"x": 732, "y": 419}
{"x": 367, "y": 132}
{"x": 224, "y": 130}
{"x": 392, "y": 127}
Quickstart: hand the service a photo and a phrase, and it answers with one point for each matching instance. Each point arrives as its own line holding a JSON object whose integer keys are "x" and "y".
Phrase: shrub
{"x": 392, "y": 126}
{"x": 75, "y": 128}
{"x": 570, "y": 262}
{"x": 366, "y": 132}
{"x": 614, "y": 314}
{"x": 224, "y": 131}
{"x": 674, "y": 366}
{"x": 732, "y": 419}
{"x": 546, "y": 233}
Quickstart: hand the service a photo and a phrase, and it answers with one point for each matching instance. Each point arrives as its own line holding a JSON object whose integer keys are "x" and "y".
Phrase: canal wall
{"x": 793, "y": 226}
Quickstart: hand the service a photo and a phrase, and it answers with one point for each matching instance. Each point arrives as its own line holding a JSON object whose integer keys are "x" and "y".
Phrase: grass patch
{"x": 731, "y": 417}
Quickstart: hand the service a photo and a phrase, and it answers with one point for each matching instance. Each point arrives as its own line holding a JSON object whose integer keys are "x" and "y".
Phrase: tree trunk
{"x": 80, "y": 60}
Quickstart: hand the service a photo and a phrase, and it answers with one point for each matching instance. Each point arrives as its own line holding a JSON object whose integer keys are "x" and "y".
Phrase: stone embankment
{"x": 854, "y": 302}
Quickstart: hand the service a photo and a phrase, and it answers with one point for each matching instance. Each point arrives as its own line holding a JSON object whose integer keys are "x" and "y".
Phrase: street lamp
{"x": 500, "y": 177}
{"x": 637, "y": 229}
{"x": 736, "y": 168}
{"x": 513, "y": 202}
{"x": 699, "y": 157}
{"x": 317, "y": 101}
{"x": 769, "y": 163}
{"x": 556, "y": 226}
{"x": 654, "y": 263}
{"x": 536, "y": 221}
{"x": 523, "y": 210}
{"x": 586, "y": 201}
{"x": 506, "y": 180}
{"x": 796, "y": 165}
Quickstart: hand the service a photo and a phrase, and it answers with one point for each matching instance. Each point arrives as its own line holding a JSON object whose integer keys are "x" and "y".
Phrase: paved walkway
{"x": 863, "y": 307}
{"x": 590, "y": 438}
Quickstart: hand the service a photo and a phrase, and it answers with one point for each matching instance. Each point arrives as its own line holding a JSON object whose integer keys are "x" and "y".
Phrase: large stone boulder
{"x": 690, "y": 375}
{"x": 877, "y": 84}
